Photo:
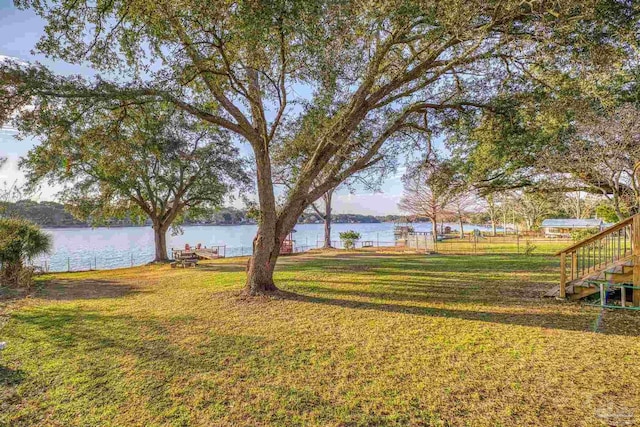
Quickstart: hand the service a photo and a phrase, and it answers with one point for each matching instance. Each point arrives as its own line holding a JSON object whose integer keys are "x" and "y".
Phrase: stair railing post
{"x": 563, "y": 275}
{"x": 635, "y": 248}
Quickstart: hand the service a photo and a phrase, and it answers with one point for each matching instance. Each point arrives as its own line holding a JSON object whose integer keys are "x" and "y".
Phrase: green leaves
{"x": 349, "y": 238}
{"x": 140, "y": 161}
{"x": 21, "y": 240}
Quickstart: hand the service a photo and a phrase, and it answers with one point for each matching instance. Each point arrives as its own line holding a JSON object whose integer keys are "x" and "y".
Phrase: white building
{"x": 562, "y": 227}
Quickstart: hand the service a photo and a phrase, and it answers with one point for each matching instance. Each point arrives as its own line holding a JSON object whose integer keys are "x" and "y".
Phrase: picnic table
{"x": 184, "y": 259}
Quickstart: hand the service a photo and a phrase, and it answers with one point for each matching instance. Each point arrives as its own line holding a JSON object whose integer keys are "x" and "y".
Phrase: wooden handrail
{"x": 595, "y": 237}
{"x": 600, "y": 251}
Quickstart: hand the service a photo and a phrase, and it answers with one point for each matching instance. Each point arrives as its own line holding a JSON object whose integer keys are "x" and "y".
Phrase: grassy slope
{"x": 365, "y": 340}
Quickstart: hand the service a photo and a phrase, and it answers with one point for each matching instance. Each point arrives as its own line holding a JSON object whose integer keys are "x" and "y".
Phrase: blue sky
{"x": 20, "y": 31}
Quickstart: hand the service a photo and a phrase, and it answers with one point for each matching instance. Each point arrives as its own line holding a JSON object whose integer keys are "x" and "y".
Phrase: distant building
{"x": 560, "y": 227}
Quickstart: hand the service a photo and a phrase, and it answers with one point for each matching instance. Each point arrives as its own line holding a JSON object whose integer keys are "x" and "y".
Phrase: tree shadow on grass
{"x": 426, "y": 265}
{"x": 146, "y": 337}
{"x": 92, "y": 345}
{"x": 235, "y": 267}
{"x": 433, "y": 283}
{"x": 10, "y": 377}
{"x": 75, "y": 289}
{"x": 582, "y": 321}
{"x": 431, "y": 293}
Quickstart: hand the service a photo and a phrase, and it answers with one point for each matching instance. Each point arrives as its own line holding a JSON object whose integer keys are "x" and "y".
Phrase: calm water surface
{"x": 104, "y": 248}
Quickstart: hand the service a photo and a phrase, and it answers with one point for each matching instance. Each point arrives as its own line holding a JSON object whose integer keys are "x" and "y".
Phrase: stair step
{"x": 620, "y": 272}
{"x": 619, "y": 277}
{"x": 583, "y": 292}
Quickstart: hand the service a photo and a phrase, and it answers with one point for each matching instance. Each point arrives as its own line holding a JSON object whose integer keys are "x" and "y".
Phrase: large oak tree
{"x": 144, "y": 162}
{"x": 246, "y": 66}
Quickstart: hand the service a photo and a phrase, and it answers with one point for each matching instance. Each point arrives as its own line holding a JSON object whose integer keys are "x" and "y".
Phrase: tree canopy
{"x": 146, "y": 162}
{"x": 377, "y": 70}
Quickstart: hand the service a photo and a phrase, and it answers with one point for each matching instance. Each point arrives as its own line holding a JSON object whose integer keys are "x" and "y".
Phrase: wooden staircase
{"x": 608, "y": 261}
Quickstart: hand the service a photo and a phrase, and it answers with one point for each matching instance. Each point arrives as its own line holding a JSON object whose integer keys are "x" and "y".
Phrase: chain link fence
{"x": 478, "y": 244}
{"x": 420, "y": 242}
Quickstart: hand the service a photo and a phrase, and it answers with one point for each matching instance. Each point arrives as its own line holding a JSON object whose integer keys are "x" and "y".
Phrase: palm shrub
{"x": 349, "y": 238}
{"x": 20, "y": 241}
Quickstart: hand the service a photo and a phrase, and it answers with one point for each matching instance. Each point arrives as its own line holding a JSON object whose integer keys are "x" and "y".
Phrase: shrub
{"x": 584, "y": 233}
{"x": 529, "y": 248}
{"x": 20, "y": 241}
{"x": 607, "y": 213}
{"x": 349, "y": 238}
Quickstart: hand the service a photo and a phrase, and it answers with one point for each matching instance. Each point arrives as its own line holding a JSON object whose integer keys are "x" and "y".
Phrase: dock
{"x": 208, "y": 253}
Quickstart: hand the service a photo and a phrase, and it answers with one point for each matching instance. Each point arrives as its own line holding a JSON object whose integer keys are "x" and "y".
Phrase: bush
{"x": 577, "y": 235}
{"x": 607, "y": 213}
{"x": 349, "y": 238}
{"x": 20, "y": 241}
{"x": 529, "y": 248}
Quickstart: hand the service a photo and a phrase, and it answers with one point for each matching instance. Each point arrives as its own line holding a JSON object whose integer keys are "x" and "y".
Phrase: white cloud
{"x": 5, "y": 58}
{"x": 12, "y": 176}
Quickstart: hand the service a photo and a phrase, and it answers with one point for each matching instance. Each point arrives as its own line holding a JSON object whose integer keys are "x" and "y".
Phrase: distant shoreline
{"x": 83, "y": 227}
{"x": 53, "y": 215}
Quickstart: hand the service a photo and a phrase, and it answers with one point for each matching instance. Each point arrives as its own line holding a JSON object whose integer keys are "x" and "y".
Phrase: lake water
{"x": 104, "y": 248}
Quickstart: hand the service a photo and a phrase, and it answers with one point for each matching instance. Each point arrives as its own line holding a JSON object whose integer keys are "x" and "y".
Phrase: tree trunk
{"x": 616, "y": 207}
{"x": 266, "y": 244}
{"x": 327, "y": 232}
{"x": 327, "y": 219}
{"x": 504, "y": 224}
{"x": 266, "y": 249}
{"x": 493, "y": 228}
{"x": 434, "y": 229}
{"x": 461, "y": 227}
{"x": 160, "y": 237}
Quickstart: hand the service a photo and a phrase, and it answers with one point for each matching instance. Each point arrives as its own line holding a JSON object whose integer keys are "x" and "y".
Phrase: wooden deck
{"x": 208, "y": 253}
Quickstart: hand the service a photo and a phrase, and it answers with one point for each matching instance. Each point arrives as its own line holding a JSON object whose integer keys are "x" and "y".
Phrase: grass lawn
{"x": 362, "y": 339}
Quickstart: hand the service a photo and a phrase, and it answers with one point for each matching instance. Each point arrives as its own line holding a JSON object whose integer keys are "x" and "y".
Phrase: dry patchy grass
{"x": 358, "y": 339}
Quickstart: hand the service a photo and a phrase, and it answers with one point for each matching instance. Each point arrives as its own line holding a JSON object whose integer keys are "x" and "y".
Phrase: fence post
{"x": 635, "y": 248}
{"x": 68, "y": 264}
{"x": 563, "y": 275}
